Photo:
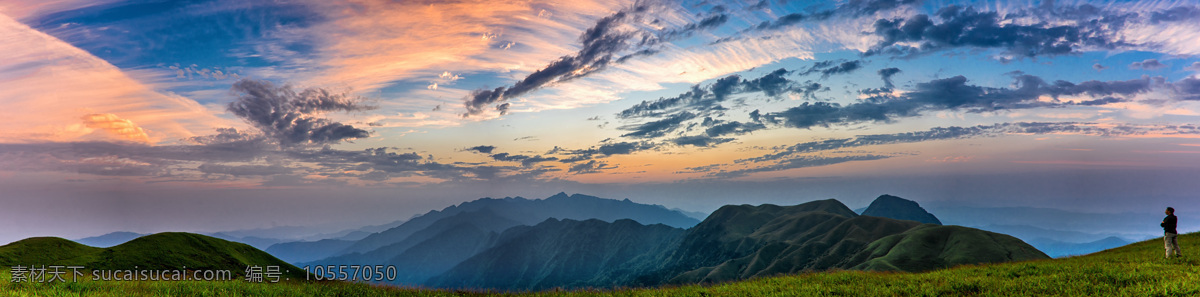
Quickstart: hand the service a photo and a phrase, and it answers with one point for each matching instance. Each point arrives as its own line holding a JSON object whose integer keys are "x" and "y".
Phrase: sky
{"x": 210, "y": 115}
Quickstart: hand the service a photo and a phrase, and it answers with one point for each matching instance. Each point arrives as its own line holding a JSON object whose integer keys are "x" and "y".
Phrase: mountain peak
{"x": 560, "y": 195}
{"x": 889, "y": 206}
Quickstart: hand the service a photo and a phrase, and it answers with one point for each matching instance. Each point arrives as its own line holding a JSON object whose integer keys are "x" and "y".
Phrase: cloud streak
{"x": 612, "y": 39}
{"x": 954, "y": 93}
{"x": 54, "y": 91}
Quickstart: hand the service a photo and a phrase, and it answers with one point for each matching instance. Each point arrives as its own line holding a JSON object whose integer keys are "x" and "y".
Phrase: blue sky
{"x": 214, "y": 115}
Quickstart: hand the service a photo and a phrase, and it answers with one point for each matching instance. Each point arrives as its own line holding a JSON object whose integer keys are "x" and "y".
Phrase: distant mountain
{"x": 563, "y": 253}
{"x": 698, "y": 215}
{"x": 441, "y": 252}
{"x": 1057, "y": 249}
{"x": 307, "y": 251}
{"x": 162, "y": 251}
{"x": 522, "y": 211}
{"x": 1130, "y": 225}
{"x": 355, "y": 233}
{"x": 435, "y": 249}
{"x": 743, "y": 241}
{"x": 735, "y": 242}
{"x": 888, "y": 206}
{"x": 1030, "y": 233}
{"x": 110, "y": 239}
{"x": 254, "y": 241}
{"x": 929, "y": 247}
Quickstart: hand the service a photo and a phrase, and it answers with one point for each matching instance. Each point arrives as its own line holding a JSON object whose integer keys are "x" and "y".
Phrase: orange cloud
{"x": 122, "y": 128}
{"x": 371, "y": 43}
{"x": 47, "y": 86}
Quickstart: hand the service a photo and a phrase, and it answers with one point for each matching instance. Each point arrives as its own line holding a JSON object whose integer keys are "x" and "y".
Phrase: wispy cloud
{"x": 826, "y": 152}
{"x": 51, "y": 89}
{"x": 611, "y": 40}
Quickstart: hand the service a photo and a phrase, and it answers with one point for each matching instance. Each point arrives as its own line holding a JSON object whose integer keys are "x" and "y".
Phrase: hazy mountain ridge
{"x": 109, "y": 239}
{"x": 1057, "y": 249}
{"x": 563, "y": 253}
{"x": 735, "y": 242}
{"x": 529, "y": 212}
{"x": 435, "y": 249}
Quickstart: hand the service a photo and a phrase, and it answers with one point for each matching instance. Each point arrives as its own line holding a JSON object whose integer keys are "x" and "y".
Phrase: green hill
{"x": 1137, "y": 269}
{"x": 743, "y": 241}
{"x": 929, "y": 247}
{"x": 162, "y": 251}
{"x": 47, "y": 251}
{"x": 563, "y": 253}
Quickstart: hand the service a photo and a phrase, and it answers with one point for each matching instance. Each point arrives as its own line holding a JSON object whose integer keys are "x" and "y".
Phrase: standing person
{"x": 1169, "y": 232}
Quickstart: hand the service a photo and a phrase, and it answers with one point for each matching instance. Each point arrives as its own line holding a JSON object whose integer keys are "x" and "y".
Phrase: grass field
{"x": 1134, "y": 270}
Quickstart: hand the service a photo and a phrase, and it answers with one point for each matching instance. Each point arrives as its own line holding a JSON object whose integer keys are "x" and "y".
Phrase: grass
{"x": 1134, "y": 270}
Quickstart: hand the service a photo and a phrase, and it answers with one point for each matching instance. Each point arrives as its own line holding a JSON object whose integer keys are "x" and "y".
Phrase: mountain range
{"x": 580, "y": 241}
{"x": 432, "y": 243}
{"x": 735, "y": 242}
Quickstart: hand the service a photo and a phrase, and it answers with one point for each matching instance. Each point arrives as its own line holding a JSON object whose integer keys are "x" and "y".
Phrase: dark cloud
{"x": 291, "y": 118}
{"x": 1148, "y": 64}
{"x": 708, "y": 23}
{"x": 938, "y": 133}
{"x": 525, "y": 160}
{"x": 967, "y": 27}
{"x": 700, "y": 140}
{"x": 852, "y": 8}
{"x": 1187, "y": 88}
{"x": 811, "y": 114}
{"x": 708, "y": 98}
{"x": 658, "y": 128}
{"x": 693, "y": 97}
{"x": 801, "y": 154}
{"x": 1176, "y": 14}
{"x": 809, "y": 90}
{"x": 486, "y": 149}
{"x": 886, "y": 74}
{"x": 622, "y": 148}
{"x": 732, "y": 128}
{"x": 1099, "y": 88}
{"x": 796, "y": 162}
{"x": 783, "y": 21}
{"x": 602, "y": 45}
{"x": 606, "y": 148}
{"x": 645, "y": 52}
{"x": 844, "y": 67}
{"x": 954, "y": 93}
{"x": 831, "y": 67}
{"x": 1099, "y": 67}
{"x": 591, "y": 166}
{"x": 865, "y": 7}
{"x": 762, "y": 4}
{"x": 772, "y": 84}
{"x": 1101, "y": 101}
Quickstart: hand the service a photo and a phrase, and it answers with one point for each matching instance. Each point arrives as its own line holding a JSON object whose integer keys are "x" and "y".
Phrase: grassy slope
{"x": 1134, "y": 270}
{"x": 168, "y": 250}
